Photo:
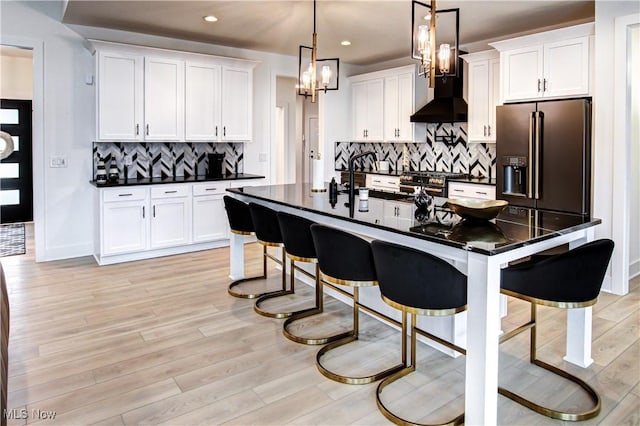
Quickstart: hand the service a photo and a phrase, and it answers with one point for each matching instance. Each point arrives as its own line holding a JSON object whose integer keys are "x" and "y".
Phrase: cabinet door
{"x": 164, "y": 99}
{"x": 566, "y": 68}
{"x": 523, "y": 73}
{"x": 124, "y": 227}
{"x": 375, "y": 110}
{"x": 478, "y": 100}
{"x": 494, "y": 97}
{"x": 236, "y": 104}
{"x": 391, "y": 111}
{"x": 390, "y": 214}
{"x": 405, "y": 216}
{"x": 405, "y": 107}
{"x": 359, "y": 110}
{"x": 170, "y": 222}
{"x": 209, "y": 219}
{"x": 120, "y": 97}
{"x": 202, "y": 121}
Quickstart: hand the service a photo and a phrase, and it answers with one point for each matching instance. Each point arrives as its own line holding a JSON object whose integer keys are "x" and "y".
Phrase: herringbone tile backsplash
{"x": 446, "y": 149}
{"x": 157, "y": 159}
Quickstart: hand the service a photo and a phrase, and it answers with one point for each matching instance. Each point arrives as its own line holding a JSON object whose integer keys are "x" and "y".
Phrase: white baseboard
{"x": 66, "y": 252}
{"x": 148, "y": 254}
{"x": 634, "y": 268}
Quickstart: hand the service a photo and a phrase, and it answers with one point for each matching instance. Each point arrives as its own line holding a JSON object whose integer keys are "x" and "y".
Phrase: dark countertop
{"x": 513, "y": 228}
{"x": 374, "y": 172}
{"x": 178, "y": 179}
{"x": 476, "y": 180}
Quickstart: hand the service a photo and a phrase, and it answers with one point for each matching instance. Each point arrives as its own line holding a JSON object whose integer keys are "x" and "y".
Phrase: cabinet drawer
{"x": 124, "y": 194}
{"x": 383, "y": 182}
{"x": 169, "y": 191}
{"x": 472, "y": 190}
{"x": 209, "y": 188}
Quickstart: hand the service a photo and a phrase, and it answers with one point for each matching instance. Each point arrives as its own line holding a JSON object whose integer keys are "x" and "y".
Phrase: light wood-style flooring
{"x": 161, "y": 342}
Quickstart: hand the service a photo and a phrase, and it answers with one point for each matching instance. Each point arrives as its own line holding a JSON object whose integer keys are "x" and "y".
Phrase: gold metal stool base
{"x": 545, "y": 411}
{"x": 309, "y": 340}
{"x": 268, "y": 314}
{"x": 231, "y": 289}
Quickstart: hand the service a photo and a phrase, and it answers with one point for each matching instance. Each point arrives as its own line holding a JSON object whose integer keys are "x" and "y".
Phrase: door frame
{"x": 621, "y": 150}
{"x": 37, "y": 135}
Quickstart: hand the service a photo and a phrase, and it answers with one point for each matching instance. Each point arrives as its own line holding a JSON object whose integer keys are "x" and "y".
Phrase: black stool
{"x": 298, "y": 242}
{"x": 417, "y": 283}
{"x": 265, "y": 222}
{"x": 568, "y": 280}
{"x": 241, "y": 224}
{"x": 346, "y": 259}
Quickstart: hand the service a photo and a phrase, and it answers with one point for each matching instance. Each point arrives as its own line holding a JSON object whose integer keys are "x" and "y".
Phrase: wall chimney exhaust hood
{"x": 447, "y": 105}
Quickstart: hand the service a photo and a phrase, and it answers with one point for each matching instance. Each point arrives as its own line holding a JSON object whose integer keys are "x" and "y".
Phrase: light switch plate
{"x": 57, "y": 161}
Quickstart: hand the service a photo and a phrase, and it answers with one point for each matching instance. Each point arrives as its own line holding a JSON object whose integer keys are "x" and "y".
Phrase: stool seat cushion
{"x": 343, "y": 255}
{"x": 265, "y": 222}
{"x": 296, "y": 233}
{"x": 571, "y": 277}
{"x": 238, "y": 215}
{"x": 417, "y": 279}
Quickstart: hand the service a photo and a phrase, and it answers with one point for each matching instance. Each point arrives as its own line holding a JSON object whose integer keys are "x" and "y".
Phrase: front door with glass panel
{"x": 16, "y": 182}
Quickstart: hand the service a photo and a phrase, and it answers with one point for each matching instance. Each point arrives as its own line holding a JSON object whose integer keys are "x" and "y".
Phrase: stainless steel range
{"x": 435, "y": 183}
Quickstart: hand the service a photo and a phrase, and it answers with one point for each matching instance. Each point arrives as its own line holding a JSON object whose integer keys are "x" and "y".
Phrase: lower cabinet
{"x": 209, "y": 217}
{"x": 472, "y": 190}
{"x": 140, "y": 222}
{"x": 398, "y": 214}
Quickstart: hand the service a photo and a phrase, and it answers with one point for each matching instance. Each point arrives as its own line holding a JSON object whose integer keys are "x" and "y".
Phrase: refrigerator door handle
{"x": 538, "y": 142}
{"x": 531, "y": 165}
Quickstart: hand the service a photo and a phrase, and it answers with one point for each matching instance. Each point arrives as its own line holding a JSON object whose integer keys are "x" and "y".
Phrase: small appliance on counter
{"x": 215, "y": 164}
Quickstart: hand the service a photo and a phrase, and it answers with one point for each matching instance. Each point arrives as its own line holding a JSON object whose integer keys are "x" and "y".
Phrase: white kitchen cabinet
{"x": 483, "y": 95}
{"x": 120, "y": 90}
{"x": 170, "y": 216}
{"x": 163, "y": 99}
{"x": 236, "y": 104}
{"x": 124, "y": 220}
{"x": 203, "y": 102}
{"x": 374, "y": 213}
{"x": 553, "y": 64}
{"x": 398, "y": 214}
{"x": 471, "y": 190}
{"x": 383, "y": 182}
{"x": 209, "y": 216}
{"x": 368, "y": 110}
{"x": 398, "y": 107}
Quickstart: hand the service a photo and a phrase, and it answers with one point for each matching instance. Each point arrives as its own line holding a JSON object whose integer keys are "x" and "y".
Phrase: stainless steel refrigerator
{"x": 543, "y": 155}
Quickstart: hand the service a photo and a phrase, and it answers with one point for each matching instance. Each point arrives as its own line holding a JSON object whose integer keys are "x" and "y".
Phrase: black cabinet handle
{"x": 137, "y": 129}
{"x": 210, "y": 189}
{"x": 224, "y": 131}
{"x": 143, "y": 212}
{"x": 170, "y": 192}
{"x": 154, "y": 211}
{"x": 125, "y": 195}
{"x": 544, "y": 85}
{"x": 216, "y": 130}
{"x": 147, "y": 130}
{"x": 538, "y": 85}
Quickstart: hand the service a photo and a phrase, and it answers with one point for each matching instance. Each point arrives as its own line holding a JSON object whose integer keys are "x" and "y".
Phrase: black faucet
{"x": 351, "y": 178}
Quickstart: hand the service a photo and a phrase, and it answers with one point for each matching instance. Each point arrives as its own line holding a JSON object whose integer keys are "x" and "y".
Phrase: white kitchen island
{"x": 478, "y": 250}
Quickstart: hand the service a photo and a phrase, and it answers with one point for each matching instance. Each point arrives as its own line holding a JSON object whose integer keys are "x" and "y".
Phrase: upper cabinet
{"x": 382, "y": 104}
{"x": 553, "y": 64}
{"x": 483, "y": 95}
{"x": 147, "y": 94}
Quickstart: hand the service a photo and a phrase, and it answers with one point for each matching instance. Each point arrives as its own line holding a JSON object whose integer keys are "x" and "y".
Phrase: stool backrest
{"x": 343, "y": 255}
{"x": 265, "y": 222}
{"x": 296, "y": 233}
{"x": 574, "y": 276}
{"x": 238, "y": 215}
{"x": 416, "y": 279}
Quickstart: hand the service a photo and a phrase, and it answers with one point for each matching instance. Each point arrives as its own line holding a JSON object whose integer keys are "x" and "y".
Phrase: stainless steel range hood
{"x": 447, "y": 105}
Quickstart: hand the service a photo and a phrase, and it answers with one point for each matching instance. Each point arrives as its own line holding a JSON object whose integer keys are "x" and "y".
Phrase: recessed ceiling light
{"x": 210, "y": 18}
{"x": 345, "y": 43}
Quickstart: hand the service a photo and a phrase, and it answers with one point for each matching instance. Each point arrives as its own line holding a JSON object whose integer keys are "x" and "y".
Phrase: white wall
{"x": 634, "y": 220}
{"x": 286, "y": 98}
{"x": 604, "y": 162}
{"x": 16, "y": 77}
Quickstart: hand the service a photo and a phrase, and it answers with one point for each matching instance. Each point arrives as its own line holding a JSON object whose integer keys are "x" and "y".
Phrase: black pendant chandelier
{"x": 316, "y": 74}
{"x": 436, "y": 49}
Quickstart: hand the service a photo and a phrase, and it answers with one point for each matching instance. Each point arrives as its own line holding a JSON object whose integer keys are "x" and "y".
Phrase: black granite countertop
{"x": 513, "y": 228}
{"x": 375, "y": 172}
{"x": 178, "y": 179}
{"x": 477, "y": 180}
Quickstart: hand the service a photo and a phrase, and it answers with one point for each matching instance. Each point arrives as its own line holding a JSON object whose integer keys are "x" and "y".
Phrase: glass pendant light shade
{"x": 444, "y": 58}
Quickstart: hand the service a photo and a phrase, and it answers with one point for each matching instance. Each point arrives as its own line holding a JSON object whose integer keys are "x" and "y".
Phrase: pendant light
{"x": 443, "y": 61}
{"x": 309, "y": 64}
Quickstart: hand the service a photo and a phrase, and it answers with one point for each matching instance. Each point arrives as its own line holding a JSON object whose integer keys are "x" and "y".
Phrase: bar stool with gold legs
{"x": 267, "y": 228}
{"x": 298, "y": 242}
{"x": 345, "y": 259}
{"x": 568, "y": 280}
{"x": 417, "y": 283}
{"x": 241, "y": 224}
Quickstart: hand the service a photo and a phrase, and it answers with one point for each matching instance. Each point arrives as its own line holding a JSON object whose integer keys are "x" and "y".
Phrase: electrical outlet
{"x": 57, "y": 161}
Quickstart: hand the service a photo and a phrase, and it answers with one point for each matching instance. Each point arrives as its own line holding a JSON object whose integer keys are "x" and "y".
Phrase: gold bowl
{"x": 476, "y": 209}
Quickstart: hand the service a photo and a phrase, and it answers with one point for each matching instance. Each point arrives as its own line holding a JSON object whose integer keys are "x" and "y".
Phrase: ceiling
{"x": 378, "y": 30}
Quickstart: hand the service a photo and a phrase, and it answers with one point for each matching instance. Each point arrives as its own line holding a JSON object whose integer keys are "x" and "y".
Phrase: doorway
{"x": 16, "y": 171}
